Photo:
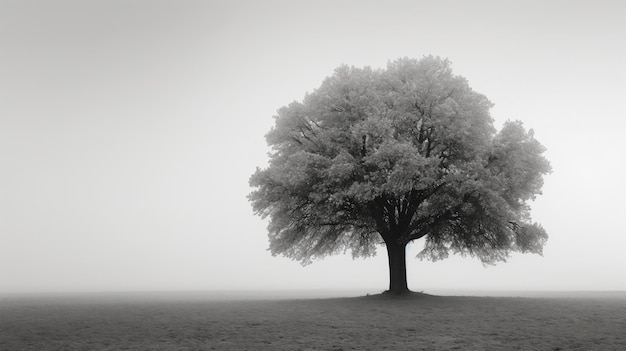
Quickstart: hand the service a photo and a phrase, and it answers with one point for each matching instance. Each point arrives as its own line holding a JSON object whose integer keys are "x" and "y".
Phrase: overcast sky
{"x": 129, "y": 129}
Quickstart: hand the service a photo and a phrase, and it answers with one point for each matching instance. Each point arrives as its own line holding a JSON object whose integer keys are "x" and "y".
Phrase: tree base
{"x": 398, "y": 292}
{"x": 404, "y": 293}
{"x": 408, "y": 295}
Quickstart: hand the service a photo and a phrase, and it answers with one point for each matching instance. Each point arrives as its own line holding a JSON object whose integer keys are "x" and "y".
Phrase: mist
{"x": 129, "y": 130}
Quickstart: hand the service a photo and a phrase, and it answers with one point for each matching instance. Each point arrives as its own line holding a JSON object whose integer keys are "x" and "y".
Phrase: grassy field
{"x": 179, "y": 322}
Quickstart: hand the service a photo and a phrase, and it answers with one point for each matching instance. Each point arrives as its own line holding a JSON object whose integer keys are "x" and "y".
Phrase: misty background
{"x": 129, "y": 129}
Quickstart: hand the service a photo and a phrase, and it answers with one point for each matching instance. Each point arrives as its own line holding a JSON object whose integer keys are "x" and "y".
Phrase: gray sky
{"x": 129, "y": 129}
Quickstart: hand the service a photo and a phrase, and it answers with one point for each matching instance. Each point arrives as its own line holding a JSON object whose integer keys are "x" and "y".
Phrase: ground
{"x": 377, "y": 322}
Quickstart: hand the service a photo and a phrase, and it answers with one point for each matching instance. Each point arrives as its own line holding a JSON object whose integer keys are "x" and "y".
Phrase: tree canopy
{"x": 393, "y": 155}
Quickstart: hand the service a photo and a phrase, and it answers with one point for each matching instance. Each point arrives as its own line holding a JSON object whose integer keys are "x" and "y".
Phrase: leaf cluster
{"x": 394, "y": 155}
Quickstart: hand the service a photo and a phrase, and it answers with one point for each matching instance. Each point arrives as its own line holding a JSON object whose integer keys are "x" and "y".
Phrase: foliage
{"x": 394, "y": 155}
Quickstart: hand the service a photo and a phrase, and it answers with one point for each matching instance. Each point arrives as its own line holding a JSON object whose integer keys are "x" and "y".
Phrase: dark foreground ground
{"x": 175, "y": 322}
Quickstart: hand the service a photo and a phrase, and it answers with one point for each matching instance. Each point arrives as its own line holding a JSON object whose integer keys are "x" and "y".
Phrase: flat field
{"x": 421, "y": 322}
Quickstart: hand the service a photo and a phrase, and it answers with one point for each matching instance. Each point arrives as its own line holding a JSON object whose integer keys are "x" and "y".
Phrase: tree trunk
{"x": 397, "y": 268}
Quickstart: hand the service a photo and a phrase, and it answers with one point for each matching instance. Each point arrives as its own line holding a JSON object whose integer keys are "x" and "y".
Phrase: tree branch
{"x": 391, "y": 214}
{"x": 377, "y": 214}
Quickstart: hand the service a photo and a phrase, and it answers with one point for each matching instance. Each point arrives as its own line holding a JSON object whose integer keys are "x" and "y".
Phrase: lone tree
{"x": 394, "y": 155}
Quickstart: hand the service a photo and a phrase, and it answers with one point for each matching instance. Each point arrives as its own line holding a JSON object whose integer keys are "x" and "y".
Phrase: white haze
{"x": 129, "y": 129}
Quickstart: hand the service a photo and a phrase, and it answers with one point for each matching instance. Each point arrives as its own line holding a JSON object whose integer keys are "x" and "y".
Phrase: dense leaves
{"x": 395, "y": 155}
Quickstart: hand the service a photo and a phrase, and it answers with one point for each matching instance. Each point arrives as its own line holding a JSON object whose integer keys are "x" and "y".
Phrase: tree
{"x": 394, "y": 155}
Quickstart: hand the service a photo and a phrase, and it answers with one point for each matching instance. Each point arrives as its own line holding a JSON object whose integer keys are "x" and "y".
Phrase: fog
{"x": 128, "y": 132}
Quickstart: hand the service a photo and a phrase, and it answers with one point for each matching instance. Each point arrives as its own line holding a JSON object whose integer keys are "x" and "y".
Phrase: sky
{"x": 129, "y": 130}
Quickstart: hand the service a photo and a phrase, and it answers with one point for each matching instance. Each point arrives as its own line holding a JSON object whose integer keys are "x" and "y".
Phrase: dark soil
{"x": 376, "y": 322}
